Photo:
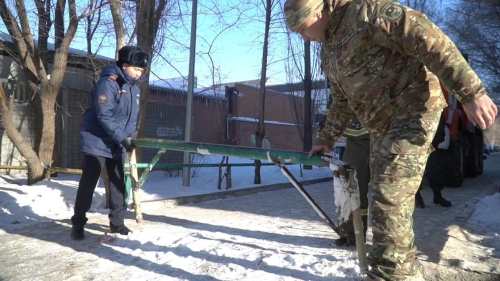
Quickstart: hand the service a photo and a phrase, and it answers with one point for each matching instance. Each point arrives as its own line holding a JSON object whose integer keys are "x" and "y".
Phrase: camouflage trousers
{"x": 397, "y": 163}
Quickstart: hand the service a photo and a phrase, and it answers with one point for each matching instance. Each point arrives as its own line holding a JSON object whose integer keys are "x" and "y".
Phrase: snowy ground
{"x": 265, "y": 236}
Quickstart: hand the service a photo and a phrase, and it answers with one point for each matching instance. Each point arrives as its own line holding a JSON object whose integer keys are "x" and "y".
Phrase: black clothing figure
{"x": 434, "y": 170}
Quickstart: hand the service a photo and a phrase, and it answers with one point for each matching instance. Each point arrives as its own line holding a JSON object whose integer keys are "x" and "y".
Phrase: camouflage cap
{"x": 297, "y": 11}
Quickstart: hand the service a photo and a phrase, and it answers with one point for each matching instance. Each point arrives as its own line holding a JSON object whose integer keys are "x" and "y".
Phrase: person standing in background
{"x": 433, "y": 169}
{"x": 109, "y": 125}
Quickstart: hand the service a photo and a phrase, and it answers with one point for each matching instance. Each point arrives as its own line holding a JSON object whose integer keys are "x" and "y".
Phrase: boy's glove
{"x": 127, "y": 143}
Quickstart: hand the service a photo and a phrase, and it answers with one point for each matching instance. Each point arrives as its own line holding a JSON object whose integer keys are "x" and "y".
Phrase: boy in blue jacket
{"x": 109, "y": 125}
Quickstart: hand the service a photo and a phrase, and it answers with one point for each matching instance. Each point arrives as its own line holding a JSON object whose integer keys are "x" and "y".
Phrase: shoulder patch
{"x": 391, "y": 12}
{"x": 102, "y": 98}
{"x": 112, "y": 77}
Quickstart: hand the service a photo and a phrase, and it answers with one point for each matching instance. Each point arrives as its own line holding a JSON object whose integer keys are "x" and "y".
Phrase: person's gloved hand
{"x": 127, "y": 143}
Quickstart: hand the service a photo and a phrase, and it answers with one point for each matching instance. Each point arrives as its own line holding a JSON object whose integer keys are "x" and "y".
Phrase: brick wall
{"x": 278, "y": 106}
{"x": 281, "y": 129}
{"x": 279, "y": 136}
{"x": 165, "y": 119}
{"x": 209, "y": 114}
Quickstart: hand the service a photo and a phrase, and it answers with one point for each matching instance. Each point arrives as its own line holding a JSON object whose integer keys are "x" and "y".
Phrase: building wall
{"x": 209, "y": 115}
{"x": 166, "y": 119}
{"x": 78, "y": 78}
{"x": 279, "y": 109}
{"x": 69, "y": 119}
{"x": 278, "y": 136}
{"x": 10, "y": 70}
{"x": 163, "y": 119}
{"x": 278, "y": 106}
{"x": 74, "y": 77}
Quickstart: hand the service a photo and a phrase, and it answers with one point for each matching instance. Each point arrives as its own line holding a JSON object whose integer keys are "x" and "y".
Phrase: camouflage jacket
{"x": 354, "y": 130}
{"x": 383, "y": 60}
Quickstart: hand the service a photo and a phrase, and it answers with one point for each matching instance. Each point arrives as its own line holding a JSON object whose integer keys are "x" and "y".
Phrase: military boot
{"x": 419, "y": 201}
{"x": 439, "y": 200}
{"x": 77, "y": 232}
{"x": 121, "y": 229}
{"x": 343, "y": 241}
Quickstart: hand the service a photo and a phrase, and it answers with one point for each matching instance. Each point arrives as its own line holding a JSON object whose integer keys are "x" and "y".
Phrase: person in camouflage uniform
{"x": 384, "y": 62}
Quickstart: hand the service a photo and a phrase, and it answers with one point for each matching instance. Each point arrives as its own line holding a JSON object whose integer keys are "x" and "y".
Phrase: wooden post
{"x": 135, "y": 189}
{"x": 228, "y": 177}
{"x": 360, "y": 240}
{"x": 107, "y": 192}
{"x": 358, "y": 226}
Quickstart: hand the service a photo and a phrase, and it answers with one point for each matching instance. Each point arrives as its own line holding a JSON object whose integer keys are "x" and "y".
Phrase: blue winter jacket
{"x": 111, "y": 115}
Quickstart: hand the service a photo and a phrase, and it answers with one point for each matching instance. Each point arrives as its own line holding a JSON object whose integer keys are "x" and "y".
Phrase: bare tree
{"x": 146, "y": 19}
{"x": 43, "y": 83}
{"x": 118, "y": 24}
{"x": 93, "y": 22}
{"x": 307, "y": 139}
{"x": 475, "y": 26}
{"x": 420, "y": 5}
{"x": 260, "y": 133}
{"x": 27, "y": 152}
{"x": 148, "y": 16}
{"x": 303, "y": 64}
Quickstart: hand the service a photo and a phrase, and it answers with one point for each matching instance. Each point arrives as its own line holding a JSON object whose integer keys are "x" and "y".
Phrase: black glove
{"x": 127, "y": 143}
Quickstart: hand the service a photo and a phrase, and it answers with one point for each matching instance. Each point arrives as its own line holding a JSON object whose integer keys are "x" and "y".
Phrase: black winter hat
{"x": 134, "y": 56}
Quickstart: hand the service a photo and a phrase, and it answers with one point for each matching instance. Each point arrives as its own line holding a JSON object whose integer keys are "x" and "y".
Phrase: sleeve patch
{"x": 102, "y": 98}
{"x": 391, "y": 12}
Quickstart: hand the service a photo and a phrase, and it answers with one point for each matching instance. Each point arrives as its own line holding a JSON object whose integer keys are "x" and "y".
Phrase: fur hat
{"x": 134, "y": 56}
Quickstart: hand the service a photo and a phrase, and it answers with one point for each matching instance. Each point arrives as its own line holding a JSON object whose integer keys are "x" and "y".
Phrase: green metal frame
{"x": 272, "y": 155}
{"x": 279, "y": 157}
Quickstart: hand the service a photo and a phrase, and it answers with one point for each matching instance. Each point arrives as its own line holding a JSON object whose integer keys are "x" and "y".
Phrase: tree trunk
{"x": 120, "y": 42}
{"x": 307, "y": 142}
{"x": 43, "y": 107}
{"x": 118, "y": 24}
{"x": 148, "y": 17}
{"x": 35, "y": 169}
{"x": 261, "y": 130}
{"x": 43, "y": 85}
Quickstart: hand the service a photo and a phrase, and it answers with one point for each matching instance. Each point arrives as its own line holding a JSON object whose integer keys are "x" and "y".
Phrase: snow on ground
{"x": 264, "y": 236}
{"x": 54, "y": 199}
{"x": 486, "y": 221}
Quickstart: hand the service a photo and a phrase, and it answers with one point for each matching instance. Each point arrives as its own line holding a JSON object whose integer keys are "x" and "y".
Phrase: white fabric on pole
{"x": 346, "y": 191}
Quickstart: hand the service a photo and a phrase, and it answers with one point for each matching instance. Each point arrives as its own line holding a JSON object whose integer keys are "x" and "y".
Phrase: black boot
{"x": 121, "y": 229}
{"x": 77, "y": 232}
{"x": 343, "y": 241}
{"x": 419, "y": 201}
{"x": 441, "y": 201}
